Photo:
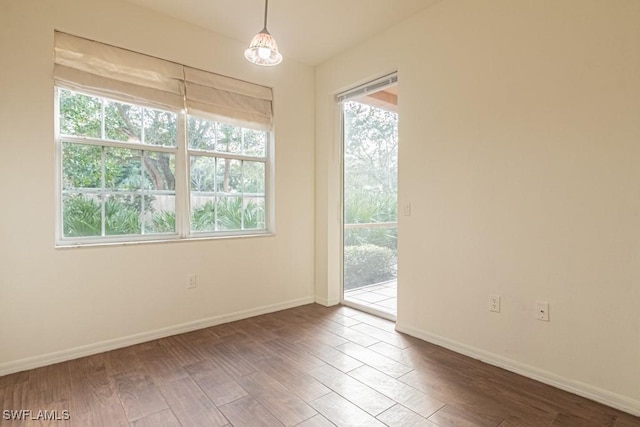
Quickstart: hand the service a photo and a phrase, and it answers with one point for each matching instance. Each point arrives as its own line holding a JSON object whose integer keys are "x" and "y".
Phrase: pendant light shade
{"x": 263, "y": 49}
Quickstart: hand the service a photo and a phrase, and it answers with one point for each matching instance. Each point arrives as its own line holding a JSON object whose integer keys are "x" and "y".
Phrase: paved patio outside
{"x": 380, "y": 296}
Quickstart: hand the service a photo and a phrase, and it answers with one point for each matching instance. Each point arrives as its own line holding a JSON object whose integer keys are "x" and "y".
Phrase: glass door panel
{"x": 370, "y": 199}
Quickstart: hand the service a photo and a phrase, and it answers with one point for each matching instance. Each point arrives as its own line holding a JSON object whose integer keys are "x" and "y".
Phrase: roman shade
{"x": 217, "y": 96}
{"x": 88, "y": 65}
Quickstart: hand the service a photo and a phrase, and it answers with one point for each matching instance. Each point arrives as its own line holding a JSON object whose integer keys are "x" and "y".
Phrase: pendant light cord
{"x": 266, "y": 8}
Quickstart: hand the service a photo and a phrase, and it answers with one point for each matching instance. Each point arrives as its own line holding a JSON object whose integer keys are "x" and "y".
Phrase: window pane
{"x": 82, "y": 215}
{"x": 229, "y": 176}
{"x": 160, "y": 128}
{"x": 229, "y": 139}
{"x": 122, "y": 214}
{"x": 254, "y": 175}
{"x": 160, "y": 214}
{"x": 203, "y": 172}
{"x": 255, "y": 142}
{"x": 201, "y": 134}
{"x": 254, "y": 213}
{"x": 203, "y": 213}
{"x": 122, "y": 169}
{"x": 159, "y": 171}
{"x": 80, "y": 115}
{"x": 81, "y": 166}
{"x": 230, "y": 213}
{"x": 370, "y": 164}
{"x": 122, "y": 122}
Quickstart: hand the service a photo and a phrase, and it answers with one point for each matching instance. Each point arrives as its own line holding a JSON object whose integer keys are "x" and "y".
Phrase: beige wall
{"x": 57, "y": 300}
{"x": 519, "y": 128}
{"x": 520, "y": 153}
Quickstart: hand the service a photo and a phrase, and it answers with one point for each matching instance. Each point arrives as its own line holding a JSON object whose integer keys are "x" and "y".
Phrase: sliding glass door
{"x": 370, "y": 188}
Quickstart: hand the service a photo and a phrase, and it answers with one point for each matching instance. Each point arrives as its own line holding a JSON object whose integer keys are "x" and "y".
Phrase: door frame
{"x": 372, "y": 86}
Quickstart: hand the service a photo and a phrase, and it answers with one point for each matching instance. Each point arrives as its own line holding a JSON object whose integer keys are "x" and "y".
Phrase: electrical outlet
{"x": 192, "y": 281}
{"x": 494, "y": 303}
{"x": 542, "y": 311}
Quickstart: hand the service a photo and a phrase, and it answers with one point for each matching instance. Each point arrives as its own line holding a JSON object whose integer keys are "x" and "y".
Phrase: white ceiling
{"x": 307, "y": 31}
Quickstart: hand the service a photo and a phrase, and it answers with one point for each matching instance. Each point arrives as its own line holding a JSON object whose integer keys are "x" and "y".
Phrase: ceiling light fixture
{"x": 263, "y": 49}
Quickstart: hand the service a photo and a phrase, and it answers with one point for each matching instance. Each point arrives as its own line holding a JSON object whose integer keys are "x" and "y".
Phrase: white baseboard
{"x": 99, "y": 347}
{"x": 327, "y": 302}
{"x": 605, "y": 397}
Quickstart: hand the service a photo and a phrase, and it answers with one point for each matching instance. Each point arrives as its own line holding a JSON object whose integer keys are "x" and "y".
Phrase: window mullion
{"x": 143, "y": 138}
{"x": 242, "y": 210}
{"x": 104, "y": 195}
{"x": 223, "y": 155}
{"x": 104, "y": 170}
{"x": 269, "y": 190}
{"x": 142, "y": 190}
{"x": 182, "y": 180}
{"x": 117, "y": 144}
{"x": 216, "y": 199}
{"x": 102, "y": 120}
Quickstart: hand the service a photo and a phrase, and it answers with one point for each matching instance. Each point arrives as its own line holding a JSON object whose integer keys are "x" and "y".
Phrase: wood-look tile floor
{"x": 307, "y": 366}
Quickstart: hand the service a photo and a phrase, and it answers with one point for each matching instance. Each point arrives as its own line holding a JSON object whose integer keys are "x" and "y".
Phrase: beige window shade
{"x": 216, "y": 96}
{"x": 89, "y": 65}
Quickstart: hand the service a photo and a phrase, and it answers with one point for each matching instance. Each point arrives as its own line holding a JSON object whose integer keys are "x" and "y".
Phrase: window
{"x": 153, "y": 150}
{"x": 228, "y": 171}
{"x": 118, "y": 172}
{"x": 118, "y": 167}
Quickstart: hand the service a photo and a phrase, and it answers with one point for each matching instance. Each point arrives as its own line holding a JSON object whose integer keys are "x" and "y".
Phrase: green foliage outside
{"x": 83, "y": 217}
{"x": 227, "y": 214}
{"x": 366, "y": 207}
{"x": 367, "y": 264}
{"x": 138, "y": 185}
{"x": 370, "y": 194}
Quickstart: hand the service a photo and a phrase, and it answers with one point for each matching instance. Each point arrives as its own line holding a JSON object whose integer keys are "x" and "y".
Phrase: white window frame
{"x": 231, "y": 156}
{"x": 182, "y": 181}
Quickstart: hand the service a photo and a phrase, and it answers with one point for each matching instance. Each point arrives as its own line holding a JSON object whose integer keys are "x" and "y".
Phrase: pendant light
{"x": 263, "y": 49}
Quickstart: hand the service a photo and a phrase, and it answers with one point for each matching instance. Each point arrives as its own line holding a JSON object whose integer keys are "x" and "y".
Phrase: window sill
{"x": 195, "y": 238}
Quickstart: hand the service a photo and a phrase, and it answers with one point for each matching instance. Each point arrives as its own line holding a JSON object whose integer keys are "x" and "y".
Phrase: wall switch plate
{"x": 406, "y": 209}
{"x": 494, "y": 303}
{"x": 542, "y": 311}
